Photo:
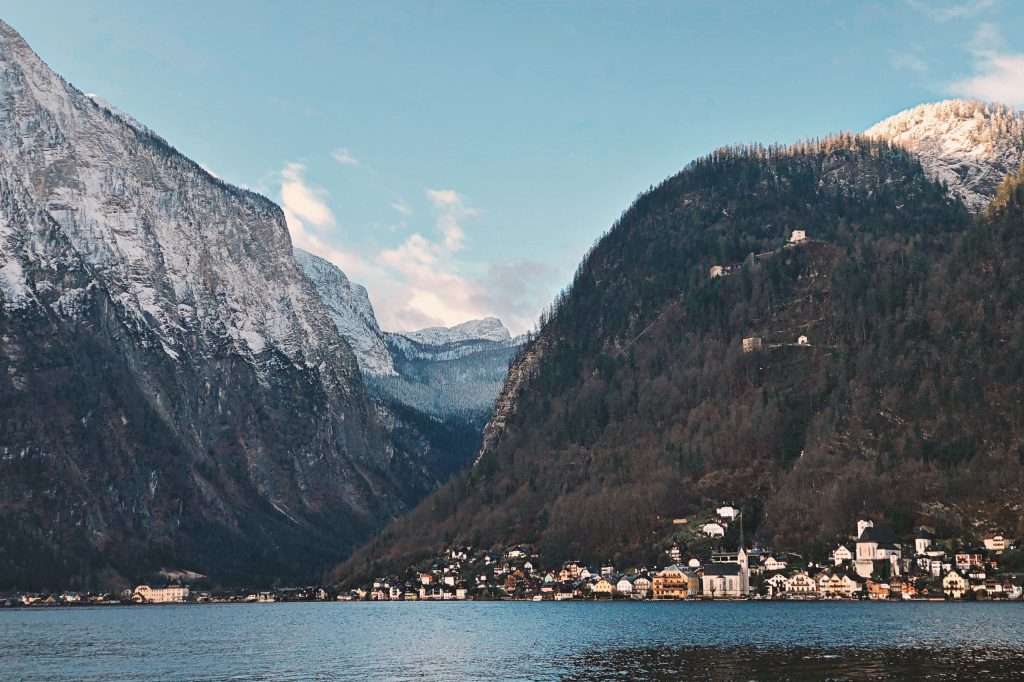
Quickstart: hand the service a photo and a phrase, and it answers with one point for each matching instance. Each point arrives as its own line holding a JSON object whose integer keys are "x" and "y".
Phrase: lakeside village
{"x": 873, "y": 564}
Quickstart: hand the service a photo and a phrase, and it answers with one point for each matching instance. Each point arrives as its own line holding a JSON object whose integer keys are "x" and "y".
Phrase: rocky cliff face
{"x": 968, "y": 146}
{"x": 174, "y": 393}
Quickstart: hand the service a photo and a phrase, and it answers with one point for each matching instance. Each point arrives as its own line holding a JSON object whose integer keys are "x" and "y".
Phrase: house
{"x": 724, "y": 581}
{"x": 674, "y": 582}
{"x": 969, "y": 557}
{"x": 922, "y": 541}
{"x": 752, "y": 343}
{"x": 798, "y": 236}
{"x": 802, "y": 340}
{"x": 624, "y": 587}
{"x": 840, "y": 554}
{"x": 175, "y": 594}
{"x": 773, "y": 564}
{"x": 675, "y": 554}
{"x": 603, "y": 587}
{"x": 716, "y": 271}
{"x": 713, "y": 530}
{"x": 877, "y": 590}
{"x": 641, "y": 587}
{"x": 728, "y": 512}
{"x": 996, "y": 543}
{"x": 801, "y": 584}
{"x": 954, "y": 585}
{"x": 776, "y": 585}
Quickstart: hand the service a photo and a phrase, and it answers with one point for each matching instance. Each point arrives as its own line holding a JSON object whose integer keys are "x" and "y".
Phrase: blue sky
{"x": 458, "y": 158}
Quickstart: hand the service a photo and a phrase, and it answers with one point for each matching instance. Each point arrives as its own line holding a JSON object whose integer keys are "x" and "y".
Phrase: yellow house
{"x": 674, "y": 582}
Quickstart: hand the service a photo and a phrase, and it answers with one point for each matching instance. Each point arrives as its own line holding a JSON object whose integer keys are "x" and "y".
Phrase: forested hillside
{"x": 636, "y": 404}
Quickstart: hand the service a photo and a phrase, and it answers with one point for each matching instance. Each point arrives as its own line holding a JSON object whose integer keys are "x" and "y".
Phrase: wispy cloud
{"x": 424, "y": 280}
{"x": 305, "y": 202}
{"x": 343, "y": 156}
{"x": 451, "y": 212}
{"x": 908, "y": 61}
{"x": 941, "y": 13}
{"x": 403, "y": 208}
{"x": 998, "y": 73}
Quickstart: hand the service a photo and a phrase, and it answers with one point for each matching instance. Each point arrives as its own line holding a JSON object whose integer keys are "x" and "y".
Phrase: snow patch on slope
{"x": 351, "y": 311}
{"x": 969, "y": 146}
{"x": 489, "y": 329}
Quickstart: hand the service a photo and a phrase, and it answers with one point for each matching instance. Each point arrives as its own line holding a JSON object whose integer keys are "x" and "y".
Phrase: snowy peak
{"x": 350, "y": 310}
{"x": 969, "y": 146}
{"x": 487, "y": 329}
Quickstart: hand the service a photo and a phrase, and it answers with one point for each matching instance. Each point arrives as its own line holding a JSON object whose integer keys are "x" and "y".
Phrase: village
{"x": 873, "y": 565}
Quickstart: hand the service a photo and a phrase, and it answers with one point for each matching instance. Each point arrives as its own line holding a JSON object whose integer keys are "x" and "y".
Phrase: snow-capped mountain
{"x": 351, "y": 312}
{"x": 172, "y": 386}
{"x": 967, "y": 145}
{"x": 489, "y": 328}
{"x": 447, "y": 373}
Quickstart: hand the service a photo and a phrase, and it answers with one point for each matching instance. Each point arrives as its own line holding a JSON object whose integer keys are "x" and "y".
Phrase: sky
{"x": 459, "y": 158}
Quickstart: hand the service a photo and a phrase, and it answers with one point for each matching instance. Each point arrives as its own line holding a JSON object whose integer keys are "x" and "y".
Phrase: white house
{"x": 776, "y": 585}
{"x": 624, "y": 586}
{"x": 955, "y": 585}
{"x": 840, "y": 554}
{"x": 713, "y": 530}
{"x": 797, "y": 236}
{"x": 160, "y": 595}
{"x": 922, "y": 541}
{"x": 716, "y": 271}
{"x": 802, "y": 340}
{"x": 773, "y": 564}
{"x": 728, "y": 512}
{"x": 801, "y": 584}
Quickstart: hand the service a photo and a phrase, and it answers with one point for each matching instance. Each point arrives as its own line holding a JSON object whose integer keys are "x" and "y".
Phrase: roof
{"x": 879, "y": 534}
{"x": 721, "y": 569}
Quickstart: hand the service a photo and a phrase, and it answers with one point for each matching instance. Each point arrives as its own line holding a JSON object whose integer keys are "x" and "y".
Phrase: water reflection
{"x": 798, "y": 664}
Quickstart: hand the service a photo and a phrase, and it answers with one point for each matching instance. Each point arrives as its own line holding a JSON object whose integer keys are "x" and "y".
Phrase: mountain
{"x": 636, "y": 403}
{"x": 351, "y": 312}
{"x": 174, "y": 395}
{"x": 969, "y": 146}
{"x": 444, "y": 372}
{"x": 488, "y": 329}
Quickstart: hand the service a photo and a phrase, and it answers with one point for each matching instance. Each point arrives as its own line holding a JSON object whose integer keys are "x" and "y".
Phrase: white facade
{"x": 797, "y": 236}
{"x": 713, "y": 530}
{"x": 160, "y": 595}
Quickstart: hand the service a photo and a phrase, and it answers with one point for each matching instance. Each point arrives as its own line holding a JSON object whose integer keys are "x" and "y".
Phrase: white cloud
{"x": 998, "y": 74}
{"x": 451, "y": 211}
{"x": 949, "y": 12}
{"x": 421, "y": 281}
{"x": 305, "y": 202}
{"x": 343, "y": 156}
{"x": 908, "y": 61}
{"x": 402, "y": 207}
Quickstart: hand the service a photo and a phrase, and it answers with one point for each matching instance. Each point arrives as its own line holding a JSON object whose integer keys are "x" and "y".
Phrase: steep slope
{"x": 351, "y": 312}
{"x": 636, "y": 404}
{"x": 969, "y": 146}
{"x": 173, "y": 392}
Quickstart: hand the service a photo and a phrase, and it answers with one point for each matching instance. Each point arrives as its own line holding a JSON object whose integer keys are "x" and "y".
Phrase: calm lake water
{"x": 516, "y": 641}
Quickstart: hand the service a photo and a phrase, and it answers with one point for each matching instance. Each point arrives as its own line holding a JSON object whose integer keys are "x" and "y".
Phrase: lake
{"x": 516, "y": 641}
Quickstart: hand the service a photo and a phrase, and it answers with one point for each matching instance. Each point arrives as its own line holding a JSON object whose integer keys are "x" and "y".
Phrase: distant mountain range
{"x": 701, "y": 356}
